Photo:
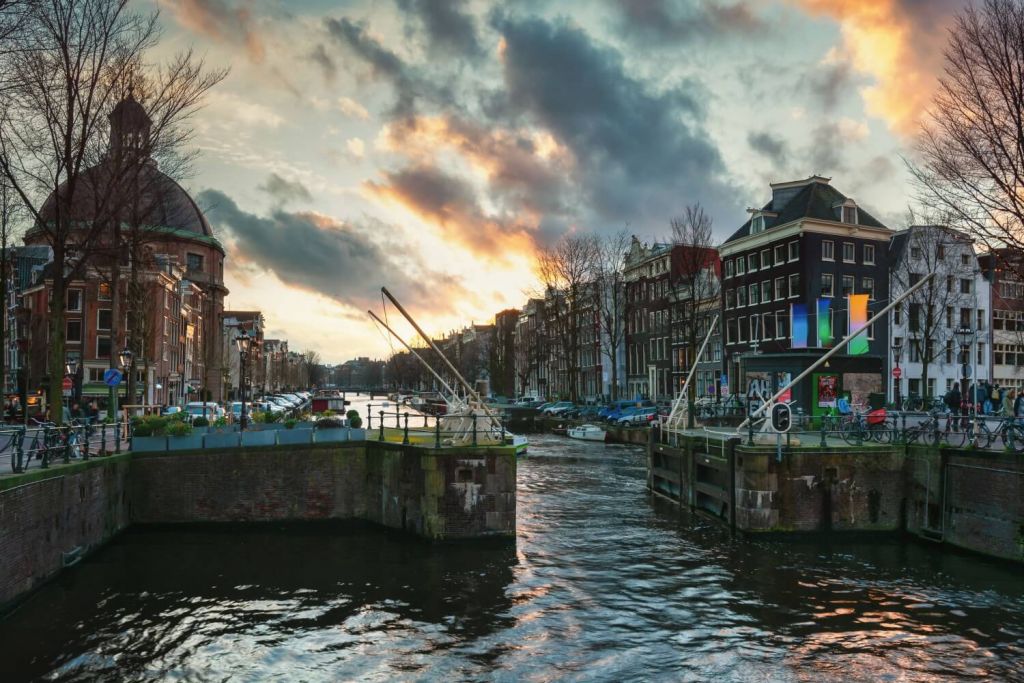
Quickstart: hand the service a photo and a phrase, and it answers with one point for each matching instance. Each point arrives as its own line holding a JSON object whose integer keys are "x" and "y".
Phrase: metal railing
{"x": 410, "y": 427}
{"x": 42, "y": 444}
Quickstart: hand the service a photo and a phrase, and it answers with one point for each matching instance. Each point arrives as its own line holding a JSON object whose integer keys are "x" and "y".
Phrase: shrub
{"x": 150, "y": 425}
{"x": 200, "y": 422}
{"x": 178, "y": 428}
{"x": 329, "y": 423}
{"x": 220, "y": 422}
{"x": 355, "y": 422}
{"x": 352, "y": 414}
{"x": 290, "y": 423}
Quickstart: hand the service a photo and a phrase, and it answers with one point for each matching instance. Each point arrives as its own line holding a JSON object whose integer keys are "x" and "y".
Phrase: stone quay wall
{"x": 49, "y": 518}
{"x": 971, "y": 500}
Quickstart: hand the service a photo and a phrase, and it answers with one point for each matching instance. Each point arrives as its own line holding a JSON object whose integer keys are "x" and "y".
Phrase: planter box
{"x": 304, "y": 425}
{"x": 220, "y": 440}
{"x": 200, "y": 430}
{"x": 259, "y": 438}
{"x": 144, "y": 444}
{"x": 294, "y": 436}
{"x": 190, "y": 442}
{"x": 357, "y": 435}
{"x": 265, "y": 427}
{"x": 332, "y": 435}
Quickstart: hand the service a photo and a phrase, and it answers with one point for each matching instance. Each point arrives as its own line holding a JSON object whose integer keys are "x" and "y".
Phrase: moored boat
{"x": 587, "y": 433}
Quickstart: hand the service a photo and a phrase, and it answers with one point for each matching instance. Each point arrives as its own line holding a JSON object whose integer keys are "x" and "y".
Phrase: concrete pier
{"x": 971, "y": 500}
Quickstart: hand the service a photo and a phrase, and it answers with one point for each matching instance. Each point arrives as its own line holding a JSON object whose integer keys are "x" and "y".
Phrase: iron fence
{"x": 42, "y": 444}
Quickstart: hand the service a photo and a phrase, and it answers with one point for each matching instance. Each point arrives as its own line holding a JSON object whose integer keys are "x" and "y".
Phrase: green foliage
{"x": 290, "y": 423}
{"x": 355, "y": 422}
{"x": 200, "y": 422}
{"x": 329, "y": 423}
{"x": 150, "y": 425}
{"x": 352, "y": 414}
{"x": 178, "y": 428}
{"x": 220, "y": 422}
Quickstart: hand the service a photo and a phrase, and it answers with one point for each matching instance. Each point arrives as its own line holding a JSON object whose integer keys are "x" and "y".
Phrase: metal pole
{"x": 413, "y": 352}
{"x": 437, "y": 432}
{"x": 670, "y": 422}
{"x": 382, "y": 425}
{"x": 405, "y": 431}
{"x": 836, "y": 349}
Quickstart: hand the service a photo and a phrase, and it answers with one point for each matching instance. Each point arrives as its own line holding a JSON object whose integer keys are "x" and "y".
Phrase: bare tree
{"x": 971, "y": 147}
{"x": 566, "y": 273}
{"x": 11, "y": 220}
{"x": 934, "y": 311}
{"x": 610, "y": 282}
{"x": 693, "y": 282}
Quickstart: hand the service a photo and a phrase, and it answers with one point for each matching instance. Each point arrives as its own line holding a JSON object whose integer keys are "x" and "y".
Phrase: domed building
{"x": 127, "y": 212}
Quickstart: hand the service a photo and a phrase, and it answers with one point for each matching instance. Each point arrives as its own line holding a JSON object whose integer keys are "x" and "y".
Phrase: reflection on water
{"x": 603, "y": 584}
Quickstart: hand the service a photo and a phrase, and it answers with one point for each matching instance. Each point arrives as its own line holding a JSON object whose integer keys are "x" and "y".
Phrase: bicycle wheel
{"x": 1012, "y": 436}
{"x": 879, "y": 433}
{"x": 928, "y": 434}
{"x": 853, "y": 433}
{"x": 955, "y": 437}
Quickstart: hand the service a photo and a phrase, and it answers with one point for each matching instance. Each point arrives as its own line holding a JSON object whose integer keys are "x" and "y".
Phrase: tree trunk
{"x": 55, "y": 364}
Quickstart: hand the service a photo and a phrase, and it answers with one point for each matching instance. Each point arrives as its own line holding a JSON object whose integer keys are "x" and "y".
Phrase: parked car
{"x": 640, "y": 416}
{"x": 627, "y": 409}
{"x": 212, "y": 410}
{"x": 558, "y": 408}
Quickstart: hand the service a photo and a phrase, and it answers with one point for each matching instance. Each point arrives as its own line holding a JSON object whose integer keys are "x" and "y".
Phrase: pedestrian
{"x": 1018, "y": 403}
{"x": 953, "y": 398}
{"x": 1006, "y": 404}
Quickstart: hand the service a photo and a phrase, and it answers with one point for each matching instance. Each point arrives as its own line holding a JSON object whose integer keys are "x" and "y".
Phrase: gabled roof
{"x": 817, "y": 199}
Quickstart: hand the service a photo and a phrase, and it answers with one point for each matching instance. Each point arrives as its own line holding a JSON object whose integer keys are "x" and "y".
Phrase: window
{"x": 103, "y": 347}
{"x": 965, "y": 317}
{"x": 74, "y": 332}
{"x": 730, "y": 331}
{"x": 741, "y": 266}
{"x": 915, "y": 252}
{"x": 95, "y": 374}
{"x": 766, "y": 258}
{"x": 780, "y": 288}
{"x": 949, "y": 316}
{"x": 74, "y": 301}
{"x": 949, "y": 284}
{"x": 742, "y": 327}
{"x": 751, "y": 263}
{"x": 728, "y": 268}
{"x": 103, "y": 292}
{"x": 915, "y": 317}
{"x": 849, "y": 253}
{"x": 194, "y": 262}
{"x": 780, "y": 254}
{"x": 965, "y": 286}
{"x": 756, "y": 225}
{"x": 981, "y": 354}
{"x": 981, "y": 320}
{"x": 965, "y": 260}
{"x": 868, "y": 284}
{"x": 752, "y": 298}
{"x": 869, "y": 254}
{"x": 794, "y": 251}
{"x": 847, "y": 285}
{"x": 103, "y": 319}
{"x": 897, "y": 315}
{"x": 941, "y": 252}
{"x": 741, "y": 296}
{"x": 768, "y": 320}
{"x": 850, "y": 214}
{"x": 871, "y": 332}
{"x": 730, "y": 299}
{"x": 781, "y": 325}
{"x": 755, "y": 331}
{"x": 827, "y": 284}
{"x": 794, "y": 285}
{"x": 828, "y": 250}
{"x": 766, "y": 291}
{"x": 949, "y": 350}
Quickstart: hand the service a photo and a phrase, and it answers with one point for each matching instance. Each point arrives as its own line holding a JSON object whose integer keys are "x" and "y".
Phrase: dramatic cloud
{"x": 320, "y": 254}
{"x": 285, "y": 191}
{"x": 641, "y": 154}
{"x": 450, "y": 30}
{"x": 769, "y": 146}
{"x": 221, "y": 20}
{"x": 899, "y": 44}
{"x": 321, "y": 58}
{"x": 671, "y": 21}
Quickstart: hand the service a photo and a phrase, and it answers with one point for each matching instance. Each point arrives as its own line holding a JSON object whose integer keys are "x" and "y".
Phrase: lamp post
{"x": 897, "y": 350}
{"x": 71, "y": 368}
{"x": 965, "y": 335}
{"x": 243, "y": 342}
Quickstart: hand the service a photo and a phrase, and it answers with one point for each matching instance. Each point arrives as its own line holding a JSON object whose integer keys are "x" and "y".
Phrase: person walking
{"x": 1006, "y": 404}
{"x": 1018, "y": 404}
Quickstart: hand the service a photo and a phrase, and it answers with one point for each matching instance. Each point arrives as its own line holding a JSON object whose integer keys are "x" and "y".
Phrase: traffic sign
{"x": 112, "y": 377}
{"x": 780, "y": 417}
{"x": 67, "y": 384}
{"x": 896, "y": 372}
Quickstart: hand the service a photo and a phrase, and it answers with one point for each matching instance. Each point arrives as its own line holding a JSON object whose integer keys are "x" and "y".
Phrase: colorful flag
{"x": 798, "y": 326}
{"x": 858, "y": 307}
{"x": 825, "y": 338}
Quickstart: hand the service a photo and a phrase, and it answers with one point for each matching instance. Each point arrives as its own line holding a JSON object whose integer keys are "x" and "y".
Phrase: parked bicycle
{"x": 977, "y": 431}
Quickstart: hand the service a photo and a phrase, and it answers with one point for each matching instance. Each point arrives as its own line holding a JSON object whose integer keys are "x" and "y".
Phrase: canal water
{"x": 603, "y": 584}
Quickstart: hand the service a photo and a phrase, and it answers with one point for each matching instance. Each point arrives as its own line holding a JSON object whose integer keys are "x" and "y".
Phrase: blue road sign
{"x": 112, "y": 377}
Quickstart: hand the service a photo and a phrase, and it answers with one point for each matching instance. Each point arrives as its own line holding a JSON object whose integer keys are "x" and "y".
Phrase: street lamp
{"x": 897, "y": 350}
{"x": 243, "y": 342}
{"x": 965, "y": 335}
{"x": 71, "y": 366}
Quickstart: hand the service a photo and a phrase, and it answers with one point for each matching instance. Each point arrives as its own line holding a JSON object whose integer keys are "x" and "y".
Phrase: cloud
{"x": 450, "y": 31}
{"x": 671, "y": 21}
{"x": 350, "y": 107}
{"x": 898, "y": 43}
{"x": 830, "y": 81}
{"x": 831, "y": 143}
{"x": 640, "y": 153}
{"x": 226, "y": 106}
{"x": 356, "y": 148}
{"x": 285, "y": 191}
{"x": 770, "y": 146}
{"x": 222, "y": 20}
{"x": 326, "y": 63}
{"x": 318, "y": 253}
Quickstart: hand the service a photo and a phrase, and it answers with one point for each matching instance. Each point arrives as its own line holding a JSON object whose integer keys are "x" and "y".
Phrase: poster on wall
{"x": 781, "y": 380}
{"x": 828, "y": 387}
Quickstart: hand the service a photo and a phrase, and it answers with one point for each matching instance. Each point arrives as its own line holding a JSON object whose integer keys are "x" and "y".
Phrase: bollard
{"x": 424, "y": 420}
{"x": 824, "y": 440}
{"x": 405, "y": 431}
{"x": 437, "y": 432}
{"x": 117, "y": 436}
{"x": 369, "y": 417}
{"x": 19, "y": 450}
{"x": 381, "y": 425}
{"x": 103, "y": 439}
{"x": 474, "y": 429}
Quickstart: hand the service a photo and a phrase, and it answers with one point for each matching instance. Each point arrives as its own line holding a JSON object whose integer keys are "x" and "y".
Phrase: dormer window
{"x": 850, "y": 215}
{"x": 756, "y": 224}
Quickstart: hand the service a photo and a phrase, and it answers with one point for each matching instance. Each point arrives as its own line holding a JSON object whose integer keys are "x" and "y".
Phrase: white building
{"x": 924, "y": 325}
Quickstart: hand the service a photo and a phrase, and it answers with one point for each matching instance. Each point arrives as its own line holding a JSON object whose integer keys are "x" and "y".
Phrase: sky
{"x": 432, "y": 146}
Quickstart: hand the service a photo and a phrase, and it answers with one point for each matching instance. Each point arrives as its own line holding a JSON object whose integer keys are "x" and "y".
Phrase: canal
{"x": 603, "y": 584}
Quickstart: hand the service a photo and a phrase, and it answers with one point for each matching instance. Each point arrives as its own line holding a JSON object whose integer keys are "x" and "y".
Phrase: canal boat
{"x": 587, "y": 433}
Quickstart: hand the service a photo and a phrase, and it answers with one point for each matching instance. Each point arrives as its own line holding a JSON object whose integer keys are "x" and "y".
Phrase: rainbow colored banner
{"x": 798, "y": 326}
{"x": 858, "y": 321}
{"x": 825, "y": 338}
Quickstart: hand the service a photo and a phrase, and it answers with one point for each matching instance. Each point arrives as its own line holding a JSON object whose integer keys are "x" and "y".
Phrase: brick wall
{"x": 50, "y": 512}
